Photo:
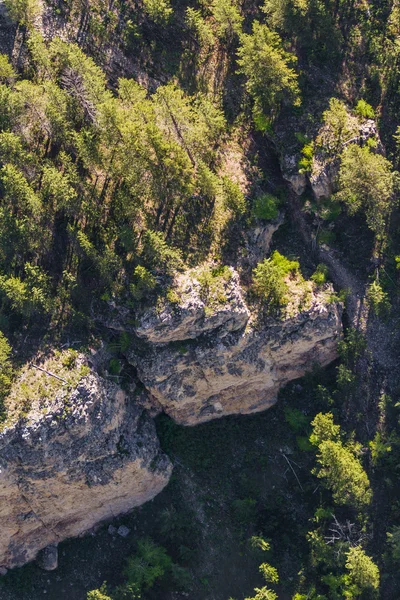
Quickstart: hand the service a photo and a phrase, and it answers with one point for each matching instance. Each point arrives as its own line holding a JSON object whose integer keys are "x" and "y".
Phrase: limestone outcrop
{"x": 290, "y": 172}
{"x": 240, "y": 371}
{"x": 88, "y": 456}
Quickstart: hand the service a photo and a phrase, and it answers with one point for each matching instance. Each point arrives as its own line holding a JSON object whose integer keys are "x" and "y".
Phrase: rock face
{"x": 239, "y": 372}
{"x": 191, "y": 317}
{"x": 290, "y": 172}
{"x": 81, "y": 451}
{"x": 64, "y": 471}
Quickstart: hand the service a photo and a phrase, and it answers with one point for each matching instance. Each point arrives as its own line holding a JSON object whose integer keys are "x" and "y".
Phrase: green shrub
{"x": 100, "y": 594}
{"x": 114, "y": 366}
{"x": 213, "y": 281}
{"x": 305, "y": 162}
{"x": 296, "y": 419}
{"x": 5, "y": 369}
{"x": 144, "y": 283}
{"x": 326, "y": 237}
{"x": 158, "y": 255}
{"x": 233, "y": 196}
{"x": 393, "y": 538}
{"x": 68, "y": 359}
{"x": 320, "y": 275}
{"x": 364, "y": 110}
{"x": 150, "y": 563}
{"x": 269, "y": 279}
{"x": 377, "y": 298}
{"x": 160, "y": 11}
{"x": 266, "y": 207}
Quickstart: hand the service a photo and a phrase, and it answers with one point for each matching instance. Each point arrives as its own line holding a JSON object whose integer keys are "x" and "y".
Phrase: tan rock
{"x": 67, "y": 470}
{"x": 192, "y": 315}
{"x": 243, "y": 371}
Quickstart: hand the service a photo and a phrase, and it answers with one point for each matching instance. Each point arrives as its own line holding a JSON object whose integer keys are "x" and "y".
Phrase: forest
{"x": 141, "y": 140}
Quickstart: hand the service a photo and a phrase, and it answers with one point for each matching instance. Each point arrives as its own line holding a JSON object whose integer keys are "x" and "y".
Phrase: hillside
{"x": 199, "y": 221}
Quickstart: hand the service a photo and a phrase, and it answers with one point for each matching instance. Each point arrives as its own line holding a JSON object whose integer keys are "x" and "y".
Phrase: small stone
{"x": 3, "y": 571}
{"x": 112, "y": 530}
{"x": 47, "y": 559}
{"x": 123, "y": 531}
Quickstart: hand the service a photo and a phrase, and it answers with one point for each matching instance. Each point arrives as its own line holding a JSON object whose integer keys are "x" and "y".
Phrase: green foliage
{"x": 158, "y": 255}
{"x": 338, "y": 465}
{"x": 366, "y": 182}
{"x": 379, "y": 448}
{"x": 297, "y": 420}
{"x": 6, "y": 370}
{"x": 263, "y": 594}
{"x": 377, "y": 298}
{"x": 363, "y": 572}
{"x": 28, "y": 295}
{"x": 200, "y": 28}
{"x": 160, "y": 11}
{"x": 269, "y": 279}
{"x": 337, "y": 128}
{"x": 306, "y": 160}
{"x": 227, "y": 17}
{"x": 343, "y": 474}
{"x": 266, "y": 207}
{"x": 269, "y": 573}
{"x": 244, "y": 510}
{"x": 393, "y": 540}
{"x": 320, "y": 275}
{"x": 144, "y": 283}
{"x": 324, "y": 429}
{"x": 364, "y": 110}
{"x": 69, "y": 358}
{"x": 213, "y": 282}
{"x": 7, "y": 72}
{"x": 233, "y": 196}
{"x": 100, "y": 594}
{"x": 147, "y": 565}
{"x": 259, "y": 543}
{"x": 270, "y": 79}
{"x": 23, "y": 11}
{"x": 352, "y": 347}
{"x": 114, "y": 367}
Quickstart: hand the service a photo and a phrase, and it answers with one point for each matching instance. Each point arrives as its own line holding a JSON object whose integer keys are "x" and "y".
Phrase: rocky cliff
{"x": 89, "y": 456}
{"x": 220, "y": 372}
{"x": 77, "y": 450}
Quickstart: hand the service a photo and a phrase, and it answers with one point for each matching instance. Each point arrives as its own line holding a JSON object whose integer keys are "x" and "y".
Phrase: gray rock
{"x": 112, "y": 530}
{"x": 3, "y": 571}
{"x": 290, "y": 172}
{"x": 123, "y": 531}
{"x": 192, "y": 317}
{"x": 102, "y": 459}
{"x": 241, "y": 372}
{"x": 47, "y": 558}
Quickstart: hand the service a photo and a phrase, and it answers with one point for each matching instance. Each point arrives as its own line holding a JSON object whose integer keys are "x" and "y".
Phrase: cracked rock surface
{"x": 67, "y": 470}
{"x": 241, "y": 371}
